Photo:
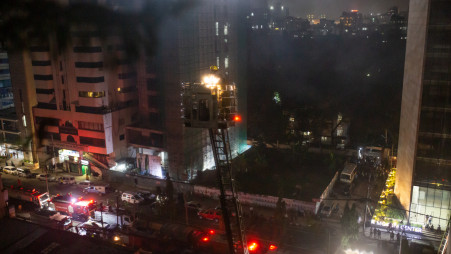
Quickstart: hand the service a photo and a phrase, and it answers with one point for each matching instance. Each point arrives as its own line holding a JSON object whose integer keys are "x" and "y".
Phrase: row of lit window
{"x": 86, "y": 94}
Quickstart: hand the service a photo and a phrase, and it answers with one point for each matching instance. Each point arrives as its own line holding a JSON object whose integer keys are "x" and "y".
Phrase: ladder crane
{"x": 212, "y": 105}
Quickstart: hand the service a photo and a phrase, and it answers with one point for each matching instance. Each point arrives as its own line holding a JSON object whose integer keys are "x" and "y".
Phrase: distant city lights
{"x": 350, "y": 251}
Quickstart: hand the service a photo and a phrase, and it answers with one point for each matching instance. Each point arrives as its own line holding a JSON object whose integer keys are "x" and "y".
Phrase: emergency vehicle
{"x": 34, "y": 196}
{"x": 71, "y": 205}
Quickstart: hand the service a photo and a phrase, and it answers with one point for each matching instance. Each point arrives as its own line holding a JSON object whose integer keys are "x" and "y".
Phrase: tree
{"x": 279, "y": 216}
{"x": 170, "y": 204}
{"x": 349, "y": 224}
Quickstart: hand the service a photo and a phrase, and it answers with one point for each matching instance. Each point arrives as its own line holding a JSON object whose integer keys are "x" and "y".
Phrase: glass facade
{"x": 431, "y": 178}
{"x": 430, "y": 205}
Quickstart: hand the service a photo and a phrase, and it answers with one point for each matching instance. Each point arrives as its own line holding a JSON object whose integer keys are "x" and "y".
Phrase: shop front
{"x": 70, "y": 160}
{"x": 11, "y": 151}
{"x": 85, "y": 167}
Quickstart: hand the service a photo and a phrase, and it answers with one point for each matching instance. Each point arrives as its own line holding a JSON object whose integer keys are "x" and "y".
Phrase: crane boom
{"x": 212, "y": 105}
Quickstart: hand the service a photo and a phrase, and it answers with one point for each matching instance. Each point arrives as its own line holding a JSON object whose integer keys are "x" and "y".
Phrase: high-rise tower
{"x": 424, "y": 153}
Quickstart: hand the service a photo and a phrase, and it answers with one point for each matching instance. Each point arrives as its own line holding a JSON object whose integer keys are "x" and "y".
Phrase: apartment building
{"x": 83, "y": 104}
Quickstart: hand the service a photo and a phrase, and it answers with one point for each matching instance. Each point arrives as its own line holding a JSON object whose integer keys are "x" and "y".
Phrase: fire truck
{"x": 40, "y": 199}
{"x": 73, "y": 206}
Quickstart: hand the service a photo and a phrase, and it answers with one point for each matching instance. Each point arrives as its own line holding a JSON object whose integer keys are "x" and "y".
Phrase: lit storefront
{"x": 85, "y": 167}
{"x": 430, "y": 205}
{"x": 11, "y": 151}
{"x": 149, "y": 164}
{"x": 70, "y": 160}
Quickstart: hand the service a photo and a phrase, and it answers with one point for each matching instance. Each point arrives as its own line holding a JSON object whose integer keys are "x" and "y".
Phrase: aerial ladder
{"x": 212, "y": 105}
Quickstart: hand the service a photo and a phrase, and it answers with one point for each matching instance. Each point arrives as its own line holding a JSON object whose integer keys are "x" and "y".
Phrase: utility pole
{"x": 186, "y": 208}
{"x": 117, "y": 210}
{"x": 366, "y": 209}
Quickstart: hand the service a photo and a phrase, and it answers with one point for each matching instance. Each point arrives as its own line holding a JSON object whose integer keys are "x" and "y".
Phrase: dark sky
{"x": 334, "y": 8}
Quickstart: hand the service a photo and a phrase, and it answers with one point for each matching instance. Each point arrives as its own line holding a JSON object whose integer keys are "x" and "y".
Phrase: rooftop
{"x": 24, "y": 237}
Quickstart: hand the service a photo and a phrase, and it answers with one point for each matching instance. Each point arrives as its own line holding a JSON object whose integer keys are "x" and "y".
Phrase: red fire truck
{"x": 40, "y": 199}
{"x": 73, "y": 206}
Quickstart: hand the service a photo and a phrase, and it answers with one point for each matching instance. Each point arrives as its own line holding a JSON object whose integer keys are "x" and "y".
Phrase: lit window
{"x": 217, "y": 61}
{"x": 217, "y": 28}
{"x": 271, "y": 7}
{"x": 226, "y": 62}
{"x": 225, "y": 40}
{"x": 24, "y": 120}
{"x": 91, "y": 94}
{"x": 226, "y": 30}
{"x": 291, "y": 119}
{"x": 252, "y": 14}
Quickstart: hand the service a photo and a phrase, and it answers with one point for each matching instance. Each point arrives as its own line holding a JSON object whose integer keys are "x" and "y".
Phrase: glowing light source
{"x": 205, "y": 239}
{"x": 237, "y": 118}
{"x": 253, "y": 246}
{"x": 212, "y": 232}
{"x": 354, "y": 10}
{"x": 210, "y": 81}
{"x": 272, "y": 247}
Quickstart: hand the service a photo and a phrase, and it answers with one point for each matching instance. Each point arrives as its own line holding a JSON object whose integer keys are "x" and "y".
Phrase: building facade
{"x": 204, "y": 35}
{"x": 424, "y": 159}
{"x": 83, "y": 104}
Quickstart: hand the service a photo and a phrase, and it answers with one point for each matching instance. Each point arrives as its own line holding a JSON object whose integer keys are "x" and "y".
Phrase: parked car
{"x": 92, "y": 227}
{"x": 62, "y": 222}
{"x": 132, "y": 198}
{"x": 84, "y": 184}
{"x": 80, "y": 217}
{"x": 67, "y": 180}
{"x": 9, "y": 170}
{"x": 42, "y": 177}
{"x": 23, "y": 172}
{"x": 95, "y": 189}
{"x": 210, "y": 214}
{"x": 147, "y": 196}
{"x": 191, "y": 205}
{"x": 32, "y": 175}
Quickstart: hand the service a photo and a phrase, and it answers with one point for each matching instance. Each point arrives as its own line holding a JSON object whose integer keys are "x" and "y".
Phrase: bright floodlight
{"x": 210, "y": 81}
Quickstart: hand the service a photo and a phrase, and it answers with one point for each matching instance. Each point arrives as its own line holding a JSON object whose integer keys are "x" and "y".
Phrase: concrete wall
{"x": 411, "y": 99}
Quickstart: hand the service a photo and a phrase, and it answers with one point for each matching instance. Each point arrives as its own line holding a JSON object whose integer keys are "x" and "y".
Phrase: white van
{"x": 348, "y": 173}
{"x": 97, "y": 189}
{"x": 67, "y": 180}
{"x": 132, "y": 198}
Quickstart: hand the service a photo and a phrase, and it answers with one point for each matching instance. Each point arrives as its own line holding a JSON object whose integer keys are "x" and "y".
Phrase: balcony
{"x": 68, "y": 130}
{"x": 46, "y": 105}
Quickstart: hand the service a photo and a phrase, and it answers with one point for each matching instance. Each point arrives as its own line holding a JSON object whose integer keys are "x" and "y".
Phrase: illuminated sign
{"x": 64, "y": 152}
{"x": 84, "y": 162}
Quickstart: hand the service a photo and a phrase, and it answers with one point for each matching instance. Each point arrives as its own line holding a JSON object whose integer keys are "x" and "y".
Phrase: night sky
{"x": 334, "y": 8}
